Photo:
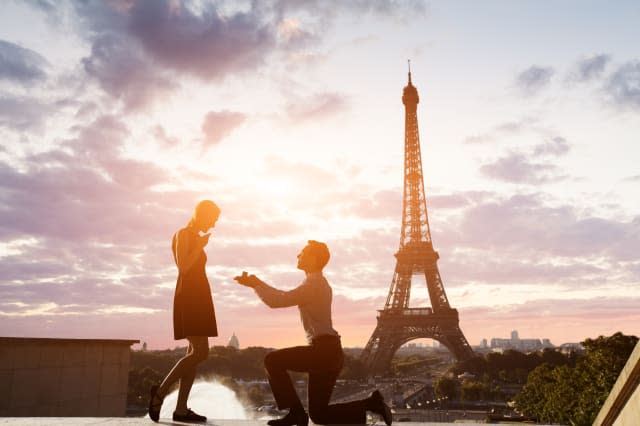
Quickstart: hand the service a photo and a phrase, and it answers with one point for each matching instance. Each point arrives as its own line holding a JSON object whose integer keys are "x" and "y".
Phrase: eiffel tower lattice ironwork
{"x": 397, "y": 322}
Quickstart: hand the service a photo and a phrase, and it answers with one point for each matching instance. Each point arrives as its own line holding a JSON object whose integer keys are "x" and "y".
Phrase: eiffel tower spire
{"x": 397, "y": 322}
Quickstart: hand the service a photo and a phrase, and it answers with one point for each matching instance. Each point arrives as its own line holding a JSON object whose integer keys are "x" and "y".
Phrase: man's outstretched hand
{"x": 248, "y": 280}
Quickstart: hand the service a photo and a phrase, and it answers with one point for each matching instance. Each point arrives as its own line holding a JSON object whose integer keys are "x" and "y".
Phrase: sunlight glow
{"x": 275, "y": 187}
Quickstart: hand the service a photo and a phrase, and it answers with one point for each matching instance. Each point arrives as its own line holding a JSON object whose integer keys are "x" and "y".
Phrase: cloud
{"x": 161, "y": 135}
{"x": 124, "y": 73}
{"x": 534, "y": 79}
{"x": 24, "y": 113}
{"x": 385, "y": 204}
{"x": 556, "y": 146}
{"x": 197, "y": 41}
{"x": 508, "y": 128}
{"x": 219, "y": 124}
{"x": 21, "y": 65}
{"x": 316, "y": 107}
{"x": 530, "y": 166}
{"x": 517, "y": 168}
{"x": 529, "y": 224}
{"x": 88, "y": 190}
{"x": 623, "y": 86}
{"x": 53, "y": 11}
{"x": 589, "y": 68}
{"x": 291, "y": 33}
{"x": 325, "y": 11}
{"x": 137, "y": 47}
{"x": 205, "y": 44}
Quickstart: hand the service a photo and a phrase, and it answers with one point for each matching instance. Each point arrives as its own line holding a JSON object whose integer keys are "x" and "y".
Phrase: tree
{"x": 574, "y": 395}
{"x": 446, "y": 387}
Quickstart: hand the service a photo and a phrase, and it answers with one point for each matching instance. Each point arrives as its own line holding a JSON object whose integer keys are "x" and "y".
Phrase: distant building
{"x": 234, "y": 342}
{"x": 523, "y": 345}
{"x": 567, "y": 348}
{"x": 484, "y": 344}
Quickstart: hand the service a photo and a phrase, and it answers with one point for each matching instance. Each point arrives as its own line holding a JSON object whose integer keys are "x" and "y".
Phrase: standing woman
{"x": 193, "y": 314}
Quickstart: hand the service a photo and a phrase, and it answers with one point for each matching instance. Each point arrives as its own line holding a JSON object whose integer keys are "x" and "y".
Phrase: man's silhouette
{"x": 322, "y": 358}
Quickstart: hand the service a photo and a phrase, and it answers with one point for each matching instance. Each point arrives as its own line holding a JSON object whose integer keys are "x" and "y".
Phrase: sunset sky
{"x": 116, "y": 117}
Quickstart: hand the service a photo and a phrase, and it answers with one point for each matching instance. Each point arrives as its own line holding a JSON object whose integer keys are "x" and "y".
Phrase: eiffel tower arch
{"x": 397, "y": 322}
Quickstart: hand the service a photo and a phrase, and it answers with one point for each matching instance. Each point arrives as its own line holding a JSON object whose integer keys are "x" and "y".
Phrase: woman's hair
{"x": 205, "y": 208}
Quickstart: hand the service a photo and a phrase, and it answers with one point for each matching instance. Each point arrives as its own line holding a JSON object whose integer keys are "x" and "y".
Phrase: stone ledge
{"x": 135, "y": 421}
{"x": 58, "y": 340}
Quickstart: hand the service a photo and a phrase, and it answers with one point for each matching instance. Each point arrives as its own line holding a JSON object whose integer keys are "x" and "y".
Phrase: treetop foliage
{"x": 574, "y": 394}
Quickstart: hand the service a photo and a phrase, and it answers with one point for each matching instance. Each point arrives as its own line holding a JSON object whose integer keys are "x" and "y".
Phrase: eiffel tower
{"x": 397, "y": 322}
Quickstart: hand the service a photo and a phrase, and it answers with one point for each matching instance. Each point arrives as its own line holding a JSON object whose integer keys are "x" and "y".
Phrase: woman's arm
{"x": 187, "y": 253}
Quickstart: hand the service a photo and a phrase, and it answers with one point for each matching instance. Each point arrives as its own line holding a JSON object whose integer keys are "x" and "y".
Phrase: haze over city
{"x": 116, "y": 117}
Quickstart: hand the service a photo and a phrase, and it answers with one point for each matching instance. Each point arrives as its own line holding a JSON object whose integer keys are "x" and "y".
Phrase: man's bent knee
{"x": 271, "y": 361}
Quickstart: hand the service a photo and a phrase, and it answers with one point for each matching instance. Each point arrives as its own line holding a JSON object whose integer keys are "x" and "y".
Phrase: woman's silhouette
{"x": 193, "y": 314}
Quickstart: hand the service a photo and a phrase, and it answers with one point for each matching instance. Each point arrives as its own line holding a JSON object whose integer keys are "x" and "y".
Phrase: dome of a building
{"x": 234, "y": 342}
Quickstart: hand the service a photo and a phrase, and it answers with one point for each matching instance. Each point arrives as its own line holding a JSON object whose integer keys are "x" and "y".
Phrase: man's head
{"x": 313, "y": 257}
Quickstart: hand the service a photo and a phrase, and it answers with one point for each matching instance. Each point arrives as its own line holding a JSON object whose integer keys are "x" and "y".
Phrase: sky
{"x": 117, "y": 117}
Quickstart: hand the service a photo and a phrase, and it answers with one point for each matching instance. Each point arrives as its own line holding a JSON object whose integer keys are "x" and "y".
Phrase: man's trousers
{"x": 323, "y": 360}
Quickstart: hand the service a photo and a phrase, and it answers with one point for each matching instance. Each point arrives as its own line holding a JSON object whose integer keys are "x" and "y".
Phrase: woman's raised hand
{"x": 204, "y": 240}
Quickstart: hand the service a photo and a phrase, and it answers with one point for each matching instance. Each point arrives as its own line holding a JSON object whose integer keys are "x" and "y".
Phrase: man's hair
{"x": 320, "y": 251}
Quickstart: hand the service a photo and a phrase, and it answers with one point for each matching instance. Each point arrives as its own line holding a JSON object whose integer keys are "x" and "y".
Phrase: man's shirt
{"x": 313, "y": 298}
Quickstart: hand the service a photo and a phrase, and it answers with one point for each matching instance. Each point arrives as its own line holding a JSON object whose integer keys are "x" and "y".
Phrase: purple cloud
{"x": 20, "y": 65}
{"x": 124, "y": 73}
{"x": 533, "y": 79}
{"x": 623, "y": 86}
{"x": 219, "y": 124}
{"x": 205, "y": 44}
{"x": 589, "y": 68}
{"x": 317, "y": 106}
{"x": 160, "y": 134}
{"x": 525, "y": 224}
{"x": 556, "y": 146}
{"x": 24, "y": 113}
{"x": 517, "y": 168}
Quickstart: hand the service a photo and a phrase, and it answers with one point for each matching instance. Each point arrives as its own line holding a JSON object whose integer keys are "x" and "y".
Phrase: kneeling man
{"x": 322, "y": 358}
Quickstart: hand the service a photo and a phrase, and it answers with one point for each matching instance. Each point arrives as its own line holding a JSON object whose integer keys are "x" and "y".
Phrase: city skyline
{"x": 117, "y": 117}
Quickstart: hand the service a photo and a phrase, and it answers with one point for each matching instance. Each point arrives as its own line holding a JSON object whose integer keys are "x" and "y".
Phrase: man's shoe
{"x": 380, "y": 407}
{"x": 299, "y": 418}
{"x": 154, "y": 406}
{"x": 189, "y": 416}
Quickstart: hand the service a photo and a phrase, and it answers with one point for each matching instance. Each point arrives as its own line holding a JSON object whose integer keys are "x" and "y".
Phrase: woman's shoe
{"x": 154, "y": 407}
{"x": 189, "y": 416}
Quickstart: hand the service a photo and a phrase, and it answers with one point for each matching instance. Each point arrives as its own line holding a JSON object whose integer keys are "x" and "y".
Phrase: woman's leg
{"x": 197, "y": 352}
{"x": 199, "y": 346}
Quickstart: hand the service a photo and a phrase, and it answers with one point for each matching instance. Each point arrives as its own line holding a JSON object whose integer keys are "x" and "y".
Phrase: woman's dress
{"x": 193, "y": 312}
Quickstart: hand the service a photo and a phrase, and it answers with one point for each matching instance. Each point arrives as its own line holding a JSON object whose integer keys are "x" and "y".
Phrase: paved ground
{"x": 137, "y": 421}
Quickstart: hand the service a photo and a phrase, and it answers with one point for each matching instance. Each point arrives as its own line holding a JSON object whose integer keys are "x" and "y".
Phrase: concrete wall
{"x": 63, "y": 377}
{"x": 622, "y": 407}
